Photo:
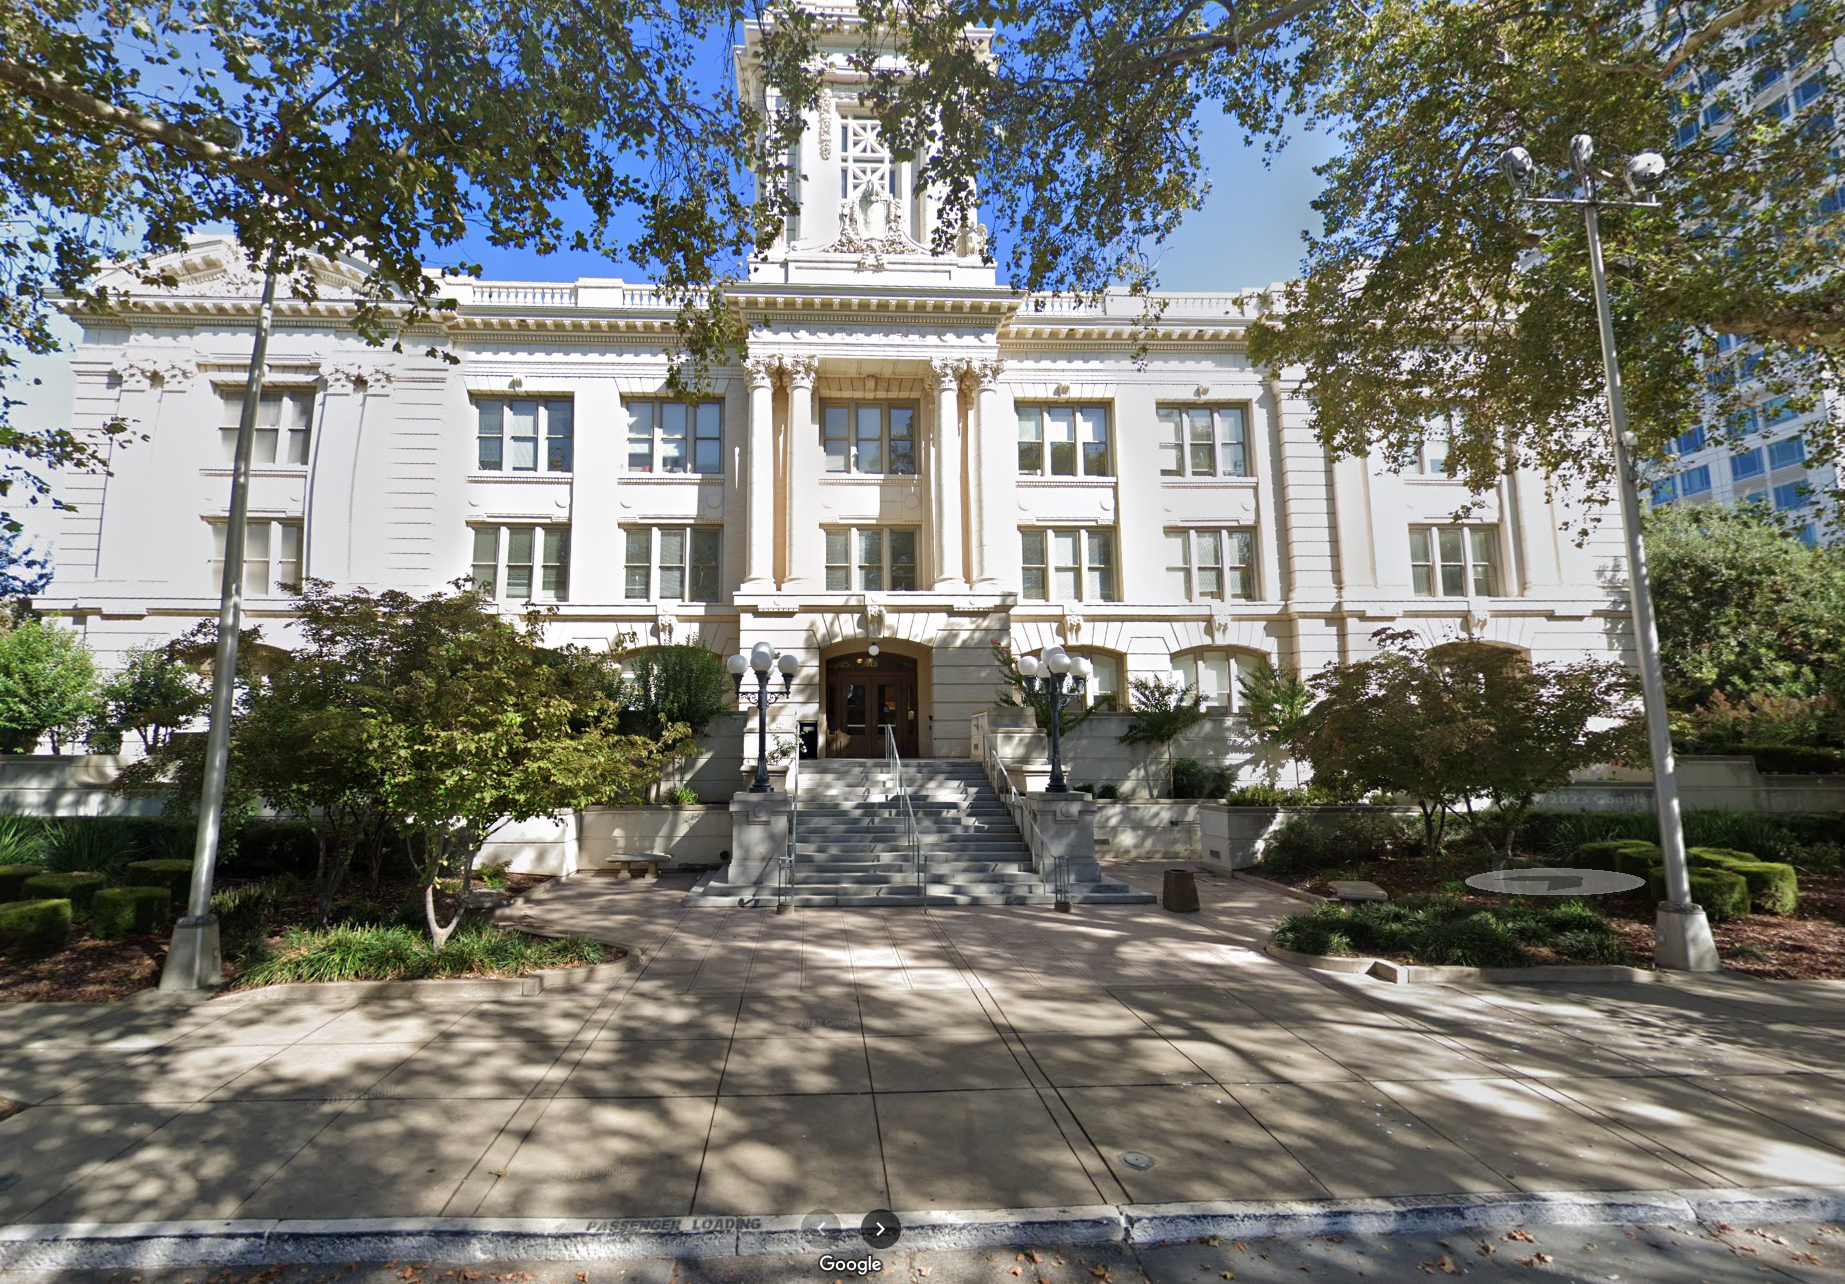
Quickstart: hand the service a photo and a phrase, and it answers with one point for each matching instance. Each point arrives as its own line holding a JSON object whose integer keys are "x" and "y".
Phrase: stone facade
{"x": 913, "y": 456}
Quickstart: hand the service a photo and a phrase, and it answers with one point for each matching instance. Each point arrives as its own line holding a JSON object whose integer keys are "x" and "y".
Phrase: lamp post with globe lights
{"x": 762, "y": 659}
{"x": 1681, "y": 932}
{"x": 1059, "y": 678}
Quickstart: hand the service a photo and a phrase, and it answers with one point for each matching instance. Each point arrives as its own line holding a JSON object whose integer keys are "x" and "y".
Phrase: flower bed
{"x": 388, "y": 952}
{"x": 1451, "y": 931}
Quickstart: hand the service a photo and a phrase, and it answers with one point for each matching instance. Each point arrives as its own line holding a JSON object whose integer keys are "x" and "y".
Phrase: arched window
{"x": 1215, "y": 673}
{"x": 1104, "y": 688}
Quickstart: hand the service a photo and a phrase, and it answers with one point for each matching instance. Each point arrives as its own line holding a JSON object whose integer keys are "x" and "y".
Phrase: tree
{"x": 1547, "y": 722}
{"x": 1429, "y": 292}
{"x": 388, "y": 131}
{"x": 664, "y": 685}
{"x": 1745, "y": 608}
{"x": 1014, "y": 694}
{"x": 1274, "y": 705}
{"x": 153, "y": 694}
{"x": 47, "y": 684}
{"x": 1391, "y": 723}
{"x": 1161, "y": 711}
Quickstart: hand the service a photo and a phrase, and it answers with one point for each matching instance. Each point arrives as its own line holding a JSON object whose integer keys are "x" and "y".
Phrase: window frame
{"x": 1088, "y": 457}
{"x": 1083, "y": 570}
{"x": 1221, "y": 541}
{"x": 283, "y": 435}
{"x": 546, "y": 439}
{"x": 701, "y": 432}
{"x": 1695, "y": 481}
{"x": 1236, "y": 662}
{"x": 545, "y": 538}
{"x": 1468, "y": 538}
{"x": 853, "y": 438}
{"x": 854, "y": 563}
{"x": 700, "y": 578}
{"x": 275, "y": 532}
{"x": 1799, "y": 454}
{"x": 1179, "y": 442}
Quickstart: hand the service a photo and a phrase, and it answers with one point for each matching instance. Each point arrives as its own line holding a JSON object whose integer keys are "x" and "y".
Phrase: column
{"x": 759, "y": 547}
{"x": 806, "y": 461}
{"x": 945, "y": 480}
{"x": 990, "y": 449}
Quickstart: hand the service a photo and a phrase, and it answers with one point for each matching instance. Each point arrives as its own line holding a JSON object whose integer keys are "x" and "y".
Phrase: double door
{"x": 862, "y": 699}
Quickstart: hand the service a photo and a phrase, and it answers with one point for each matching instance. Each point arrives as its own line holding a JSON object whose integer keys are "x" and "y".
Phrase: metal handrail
{"x": 910, "y": 828}
{"x": 785, "y": 884}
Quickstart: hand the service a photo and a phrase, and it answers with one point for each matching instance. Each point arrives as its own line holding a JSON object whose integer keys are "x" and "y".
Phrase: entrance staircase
{"x": 853, "y": 845}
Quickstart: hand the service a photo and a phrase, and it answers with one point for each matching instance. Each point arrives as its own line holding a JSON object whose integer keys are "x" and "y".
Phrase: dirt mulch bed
{"x": 93, "y": 971}
{"x": 1808, "y": 945}
{"x": 86, "y": 971}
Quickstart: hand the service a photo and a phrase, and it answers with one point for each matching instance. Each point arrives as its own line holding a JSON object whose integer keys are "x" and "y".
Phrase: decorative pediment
{"x": 217, "y": 267}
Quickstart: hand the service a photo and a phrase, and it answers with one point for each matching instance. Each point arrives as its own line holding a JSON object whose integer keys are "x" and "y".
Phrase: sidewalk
{"x": 965, "y": 1059}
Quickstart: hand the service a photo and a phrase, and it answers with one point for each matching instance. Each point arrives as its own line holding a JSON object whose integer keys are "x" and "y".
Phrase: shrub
{"x": 35, "y": 927}
{"x": 246, "y": 914}
{"x": 78, "y": 887}
{"x": 120, "y": 911}
{"x": 1774, "y": 888}
{"x": 1264, "y": 795}
{"x": 1591, "y": 947}
{"x": 1723, "y": 893}
{"x": 1479, "y": 940}
{"x": 174, "y": 875}
{"x": 1795, "y": 760}
{"x": 13, "y": 880}
{"x": 1448, "y": 930}
{"x": 386, "y": 952}
{"x": 97, "y": 844}
{"x": 1622, "y": 855}
{"x": 1192, "y": 779}
{"x": 21, "y": 841}
{"x": 1307, "y": 844}
{"x": 47, "y": 683}
{"x": 681, "y": 796}
{"x": 1107, "y": 791}
{"x": 277, "y": 847}
{"x": 492, "y": 875}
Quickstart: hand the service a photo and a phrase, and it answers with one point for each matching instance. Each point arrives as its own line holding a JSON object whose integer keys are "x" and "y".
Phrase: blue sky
{"x": 1247, "y": 234}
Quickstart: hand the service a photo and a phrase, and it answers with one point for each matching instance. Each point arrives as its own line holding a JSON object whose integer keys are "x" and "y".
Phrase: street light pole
{"x": 1059, "y": 677}
{"x": 1682, "y": 937}
{"x": 762, "y": 659}
{"x": 194, "y": 961}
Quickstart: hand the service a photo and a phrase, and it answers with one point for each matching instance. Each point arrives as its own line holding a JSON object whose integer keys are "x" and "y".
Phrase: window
{"x": 1214, "y": 675}
{"x": 1103, "y": 690}
{"x": 271, "y": 554}
{"x": 1664, "y": 492}
{"x": 1210, "y": 565}
{"x": 1068, "y": 565}
{"x": 1053, "y": 438}
{"x": 1778, "y": 411}
{"x": 869, "y": 439}
{"x": 671, "y": 563}
{"x": 1745, "y": 465}
{"x": 1808, "y": 90}
{"x": 522, "y": 563}
{"x": 1204, "y": 441}
{"x": 1793, "y": 495}
{"x": 1787, "y": 452}
{"x": 283, "y": 420}
{"x": 1694, "y": 481}
{"x": 1779, "y": 108}
{"x": 672, "y": 437}
{"x": 1688, "y": 442}
{"x": 1808, "y": 535}
{"x": 520, "y": 436}
{"x": 871, "y": 559}
{"x": 1687, "y": 132}
{"x": 1454, "y": 561}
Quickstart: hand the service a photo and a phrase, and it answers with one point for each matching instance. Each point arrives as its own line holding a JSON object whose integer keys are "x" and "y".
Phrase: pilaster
{"x": 759, "y": 549}
{"x": 946, "y": 478}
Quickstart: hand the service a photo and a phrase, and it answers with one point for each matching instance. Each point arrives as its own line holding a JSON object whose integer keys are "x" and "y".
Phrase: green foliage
{"x": 1723, "y": 893}
{"x": 1622, "y": 855}
{"x": 662, "y": 686}
{"x": 1445, "y": 930}
{"x": 78, "y": 887}
{"x": 122, "y": 911}
{"x": 103, "y": 844}
{"x": 1314, "y": 843}
{"x": 1160, "y": 712}
{"x": 247, "y": 914}
{"x": 21, "y": 840}
{"x": 174, "y": 875}
{"x": 47, "y": 683}
{"x": 493, "y": 875}
{"x": 1192, "y": 779}
{"x": 1274, "y": 706}
{"x": 154, "y": 694}
{"x": 1774, "y": 887}
{"x": 13, "y": 880}
{"x": 1763, "y": 724}
{"x": 1777, "y": 836}
{"x": 680, "y": 796}
{"x": 1014, "y": 694}
{"x": 1107, "y": 792}
{"x": 386, "y": 953}
{"x": 1792, "y": 760}
{"x": 1749, "y": 618}
{"x": 35, "y": 927}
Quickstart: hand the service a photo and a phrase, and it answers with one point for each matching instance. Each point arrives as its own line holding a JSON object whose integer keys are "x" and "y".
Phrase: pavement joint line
{"x": 144, "y": 1245}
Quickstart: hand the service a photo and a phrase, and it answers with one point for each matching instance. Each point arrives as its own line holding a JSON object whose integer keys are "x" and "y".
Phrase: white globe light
{"x": 1084, "y": 669}
{"x": 737, "y": 664}
{"x": 617, "y": 672}
{"x": 788, "y": 664}
{"x": 1028, "y": 666}
{"x": 872, "y": 649}
{"x": 1060, "y": 661}
{"x": 762, "y": 660}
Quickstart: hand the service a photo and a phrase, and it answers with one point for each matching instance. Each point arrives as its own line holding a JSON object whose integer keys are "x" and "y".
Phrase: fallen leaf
{"x": 1212, "y": 1240}
{"x": 1487, "y": 1250}
{"x": 1229, "y": 1275}
{"x": 1015, "y": 1271}
{"x": 1802, "y": 1255}
{"x": 1033, "y": 1254}
{"x": 1521, "y": 1235}
{"x": 1241, "y": 1247}
{"x": 1100, "y": 1272}
{"x": 1536, "y": 1259}
{"x": 924, "y": 1270}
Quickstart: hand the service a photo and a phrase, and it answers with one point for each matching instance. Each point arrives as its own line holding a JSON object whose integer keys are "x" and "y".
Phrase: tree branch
{"x": 1723, "y": 22}
{"x": 48, "y": 88}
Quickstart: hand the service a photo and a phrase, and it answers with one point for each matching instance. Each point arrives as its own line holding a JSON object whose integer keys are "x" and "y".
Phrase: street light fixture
{"x": 1682, "y": 939}
{"x": 1059, "y": 678}
{"x": 763, "y": 660}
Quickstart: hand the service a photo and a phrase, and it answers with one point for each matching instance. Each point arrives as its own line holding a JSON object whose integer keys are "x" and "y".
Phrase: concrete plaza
{"x": 757, "y": 1064}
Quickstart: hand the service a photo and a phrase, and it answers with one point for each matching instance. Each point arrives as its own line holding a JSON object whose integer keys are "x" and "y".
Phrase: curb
{"x": 1312, "y": 898}
{"x": 1423, "y": 974}
{"x": 463, "y": 988}
{"x": 142, "y": 1245}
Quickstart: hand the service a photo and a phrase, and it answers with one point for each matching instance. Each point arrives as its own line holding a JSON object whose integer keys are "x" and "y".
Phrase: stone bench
{"x": 634, "y": 866}
{"x": 1358, "y": 889}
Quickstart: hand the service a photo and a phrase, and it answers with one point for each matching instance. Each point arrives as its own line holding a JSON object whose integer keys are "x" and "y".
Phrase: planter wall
{"x": 1705, "y": 783}
{"x": 43, "y": 784}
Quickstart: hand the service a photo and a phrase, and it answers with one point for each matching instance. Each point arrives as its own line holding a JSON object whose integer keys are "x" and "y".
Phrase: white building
{"x": 913, "y": 456}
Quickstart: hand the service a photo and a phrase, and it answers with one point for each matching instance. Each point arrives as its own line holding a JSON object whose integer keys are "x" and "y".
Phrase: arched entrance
{"x": 864, "y": 694}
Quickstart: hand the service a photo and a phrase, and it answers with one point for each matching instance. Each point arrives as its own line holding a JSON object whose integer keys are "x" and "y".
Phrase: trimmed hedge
{"x": 1633, "y": 856}
{"x": 1723, "y": 893}
{"x": 1795, "y": 760}
{"x": 1774, "y": 888}
{"x": 13, "y": 880}
{"x": 78, "y": 888}
{"x": 174, "y": 875}
{"x": 34, "y": 927}
{"x": 119, "y": 911}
